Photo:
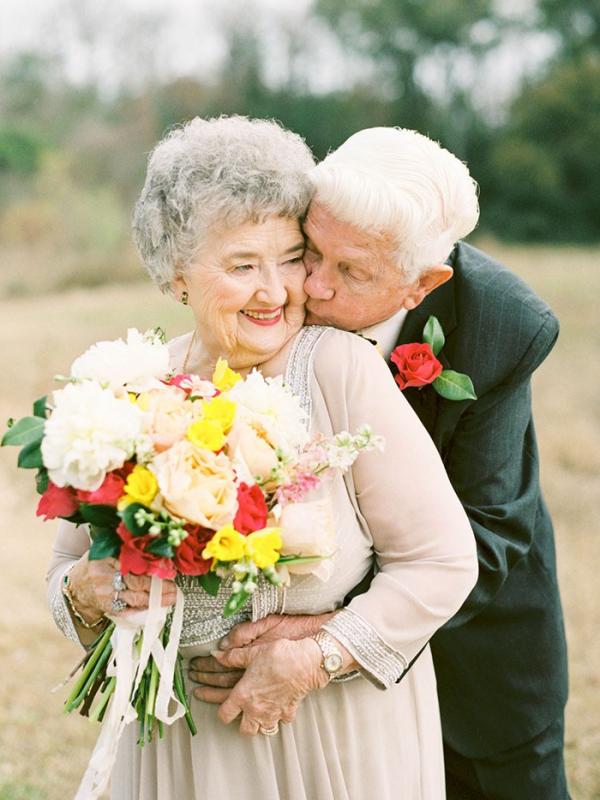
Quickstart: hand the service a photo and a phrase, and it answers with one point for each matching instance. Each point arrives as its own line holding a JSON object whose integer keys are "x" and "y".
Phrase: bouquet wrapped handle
{"x": 127, "y": 665}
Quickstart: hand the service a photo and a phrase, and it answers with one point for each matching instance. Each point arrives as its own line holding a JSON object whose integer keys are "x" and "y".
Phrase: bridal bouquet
{"x": 176, "y": 475}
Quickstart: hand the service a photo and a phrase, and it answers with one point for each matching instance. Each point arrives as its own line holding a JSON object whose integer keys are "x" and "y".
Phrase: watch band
{"x": 332, "y": 657}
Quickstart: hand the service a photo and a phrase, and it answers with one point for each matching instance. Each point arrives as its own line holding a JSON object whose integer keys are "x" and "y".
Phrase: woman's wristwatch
{"x": 332, "y": 657}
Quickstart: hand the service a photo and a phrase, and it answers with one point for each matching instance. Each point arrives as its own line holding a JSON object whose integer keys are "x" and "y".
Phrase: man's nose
{"x": 316, "y": 285}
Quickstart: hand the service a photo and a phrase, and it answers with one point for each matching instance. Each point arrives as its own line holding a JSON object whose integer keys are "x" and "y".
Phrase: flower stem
{"x": 99, "y": 665}
{"x": 151, "y": 698}
{"x": 181, "y": 695}
{"x": 105, "y": 696}
{"x": 102, "y": 649}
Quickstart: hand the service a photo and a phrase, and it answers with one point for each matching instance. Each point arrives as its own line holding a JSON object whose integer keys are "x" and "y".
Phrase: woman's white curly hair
{"x": 219, "y": 172}
{"x": 399, "y": 183}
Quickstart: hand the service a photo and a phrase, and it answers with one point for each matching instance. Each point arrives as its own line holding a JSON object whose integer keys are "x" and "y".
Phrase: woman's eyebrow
{"x": 248, "y": 254}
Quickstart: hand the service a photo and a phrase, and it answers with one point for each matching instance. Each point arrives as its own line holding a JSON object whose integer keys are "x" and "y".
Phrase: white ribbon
{"x": 128, "y": 666}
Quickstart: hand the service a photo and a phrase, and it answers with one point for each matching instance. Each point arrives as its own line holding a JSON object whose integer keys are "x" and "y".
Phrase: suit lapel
{"x": 441, "y": 304}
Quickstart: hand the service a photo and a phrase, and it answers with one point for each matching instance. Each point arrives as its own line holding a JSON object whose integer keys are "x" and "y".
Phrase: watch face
{"x": 332, "y": 662}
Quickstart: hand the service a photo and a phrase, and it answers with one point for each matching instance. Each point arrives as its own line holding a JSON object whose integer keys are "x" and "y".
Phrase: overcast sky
{"x": 190, "y": 42}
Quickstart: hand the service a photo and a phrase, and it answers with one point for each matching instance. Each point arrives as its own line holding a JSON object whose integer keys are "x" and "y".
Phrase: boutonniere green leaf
{"x": 418, "y": 366}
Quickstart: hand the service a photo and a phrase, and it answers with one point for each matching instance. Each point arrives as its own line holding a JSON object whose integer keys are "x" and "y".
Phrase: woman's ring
{"x": 117, "y": 604}
{"x": 118, "y": 582}
{"x": 269, "y": 731}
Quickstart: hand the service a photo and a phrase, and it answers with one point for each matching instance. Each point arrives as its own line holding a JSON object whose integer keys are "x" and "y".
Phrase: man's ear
{"x": 427, "y": 281}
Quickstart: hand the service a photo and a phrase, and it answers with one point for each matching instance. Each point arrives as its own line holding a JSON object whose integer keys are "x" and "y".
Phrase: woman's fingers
{"x": 249, "y": 727}
{"x": 134, "y": 599}
{"x": 229, "y": 710}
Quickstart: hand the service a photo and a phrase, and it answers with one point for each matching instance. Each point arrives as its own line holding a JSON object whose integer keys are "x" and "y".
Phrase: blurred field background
{"x": 85, "y": 91}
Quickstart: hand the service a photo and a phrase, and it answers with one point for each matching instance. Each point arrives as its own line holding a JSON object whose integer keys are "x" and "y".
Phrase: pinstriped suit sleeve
{"x": 492, "y": 463}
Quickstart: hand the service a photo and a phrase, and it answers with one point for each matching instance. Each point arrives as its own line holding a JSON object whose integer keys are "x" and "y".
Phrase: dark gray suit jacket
{"x": 501, "y": 661}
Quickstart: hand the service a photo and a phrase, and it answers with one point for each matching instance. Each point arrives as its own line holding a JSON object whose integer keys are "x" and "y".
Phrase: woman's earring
{"x": 184, "y": 298}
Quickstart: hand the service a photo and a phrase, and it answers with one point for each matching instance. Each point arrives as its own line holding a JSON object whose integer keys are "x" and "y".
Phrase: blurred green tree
{"x": 545, "y": 164}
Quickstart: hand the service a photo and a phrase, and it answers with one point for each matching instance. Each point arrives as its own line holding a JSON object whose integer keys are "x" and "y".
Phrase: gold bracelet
{"x": 66, "y": 588}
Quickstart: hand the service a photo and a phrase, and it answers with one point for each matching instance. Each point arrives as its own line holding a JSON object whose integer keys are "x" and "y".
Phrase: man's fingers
{"x": 210, "y": 695}
{"x": 225, "y": 680}
{"x": 207, "y": 664}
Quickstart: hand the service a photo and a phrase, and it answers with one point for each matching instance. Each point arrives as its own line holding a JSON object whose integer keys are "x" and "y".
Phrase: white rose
{"x": 270, "y": 404}
{"x": 89, "y": 433}
{"x": 139, "y": 363}
{"x": 308, "y": 529}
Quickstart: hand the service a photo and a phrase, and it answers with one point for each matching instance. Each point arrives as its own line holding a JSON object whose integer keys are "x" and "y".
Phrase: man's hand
{"x": 217, "y": 680}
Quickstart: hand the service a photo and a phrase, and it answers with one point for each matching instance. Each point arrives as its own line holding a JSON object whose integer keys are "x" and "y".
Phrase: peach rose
{"x": 197, "y": 485}
{"x": 249, "y": 442}
{"x": 167, "y": 415}
{"x": 308, "y": 529}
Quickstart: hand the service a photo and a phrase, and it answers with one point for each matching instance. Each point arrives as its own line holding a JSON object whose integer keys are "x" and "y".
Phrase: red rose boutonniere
{"x": 418, "y": 366}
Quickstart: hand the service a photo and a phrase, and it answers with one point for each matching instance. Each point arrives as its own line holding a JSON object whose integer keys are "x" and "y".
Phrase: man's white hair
{"x": 399, "y": 183}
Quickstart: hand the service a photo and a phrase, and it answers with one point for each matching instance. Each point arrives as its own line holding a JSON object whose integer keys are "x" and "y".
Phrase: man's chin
{"x": 314, "y": 319}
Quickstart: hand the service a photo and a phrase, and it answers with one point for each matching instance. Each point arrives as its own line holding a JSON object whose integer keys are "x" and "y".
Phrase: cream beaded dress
{"x": 366, "y": 737}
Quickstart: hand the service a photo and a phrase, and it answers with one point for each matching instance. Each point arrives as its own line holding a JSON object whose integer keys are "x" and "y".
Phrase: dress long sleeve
{"x": 424, "y": 546}
{"x": 70, "y": 544}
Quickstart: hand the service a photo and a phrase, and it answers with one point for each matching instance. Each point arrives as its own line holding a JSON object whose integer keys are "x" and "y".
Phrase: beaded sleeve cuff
{"x": 378, "y": 662}
{"x": 60, "y": 611}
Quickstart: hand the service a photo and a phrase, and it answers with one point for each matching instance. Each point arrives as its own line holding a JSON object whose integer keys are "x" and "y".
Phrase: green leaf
{"x": 100, "y": 515}
{"x": 25, "y": 431}
{"x": 235, "y": 602}
{"x": 41, "y": 480}
{"x": 160, "y": 547}
{"x": 210, "y": 582}
{"x": 30, "y": 456}
{"x": 105, "y": 543}
{"x": 434, "y": 335}
{"x": 128, "y": 517}
{"x": 39, "y": 407}
{"x": 454, "y": 386}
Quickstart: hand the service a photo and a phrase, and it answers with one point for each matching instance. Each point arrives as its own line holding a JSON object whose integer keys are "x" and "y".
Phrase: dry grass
{"x": 42, "y": 753}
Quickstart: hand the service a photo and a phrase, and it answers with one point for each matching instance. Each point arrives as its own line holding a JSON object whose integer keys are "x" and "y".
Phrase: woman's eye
{"x": 243, "y": 267}
{"x": 292, "y": 261}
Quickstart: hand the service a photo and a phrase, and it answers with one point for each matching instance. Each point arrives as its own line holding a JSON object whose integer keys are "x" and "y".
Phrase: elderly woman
{"x": 217, "y": 224}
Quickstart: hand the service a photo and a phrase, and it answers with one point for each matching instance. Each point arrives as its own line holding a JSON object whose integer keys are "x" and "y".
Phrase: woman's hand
{"x": 91, "y": 587}
{"x": 277, "y": 678}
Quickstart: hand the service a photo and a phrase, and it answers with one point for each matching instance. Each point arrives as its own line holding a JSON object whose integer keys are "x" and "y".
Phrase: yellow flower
{"x": 141, "y": 487}
{"x": 142, "y": 401}
{"x": 222, "y": 410}
{"x": 206, "y": 434}
{"x": 226, "y": 545}
{"x": 263, "y": 547}
{"x": 224, "y": 377}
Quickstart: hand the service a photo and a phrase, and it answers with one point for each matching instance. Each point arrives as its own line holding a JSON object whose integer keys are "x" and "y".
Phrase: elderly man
{"x": 383, "y": 256}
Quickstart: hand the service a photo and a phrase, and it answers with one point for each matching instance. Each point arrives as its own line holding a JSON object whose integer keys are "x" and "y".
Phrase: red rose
{"x": 136, "y": 559}
{"x": 417, "y": 366}
{"x": 57, "y": 501}
{"x": 107, "y": 494}
{"x": 252, "y": 509}
{"x": 188, "y": 556}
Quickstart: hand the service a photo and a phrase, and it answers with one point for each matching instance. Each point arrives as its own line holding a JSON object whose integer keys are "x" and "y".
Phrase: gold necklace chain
{"x": 187, "y": 355}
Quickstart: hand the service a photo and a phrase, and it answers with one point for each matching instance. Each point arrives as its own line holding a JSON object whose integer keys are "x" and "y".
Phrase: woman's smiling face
{"x": 245, "y": 288}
